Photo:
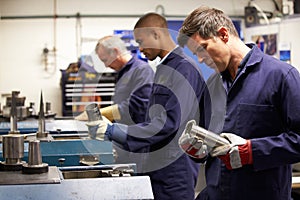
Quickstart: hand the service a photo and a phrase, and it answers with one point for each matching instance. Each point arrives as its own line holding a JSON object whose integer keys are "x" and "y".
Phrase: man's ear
{"x": 116, "y": 51}
{"x": 223, "y": 34}
{"x": 155, "y": 34}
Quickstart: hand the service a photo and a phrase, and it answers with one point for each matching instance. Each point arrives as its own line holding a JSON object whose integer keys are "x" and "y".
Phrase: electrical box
{"x": 251, "y": 16}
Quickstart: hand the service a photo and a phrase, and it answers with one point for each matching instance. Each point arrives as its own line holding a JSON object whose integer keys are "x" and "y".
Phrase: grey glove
{"x": 236, "y": 154}
{"x": 98, "y": 128}
{"x": 234, "y": 140}
{"x": 192, "y": 146}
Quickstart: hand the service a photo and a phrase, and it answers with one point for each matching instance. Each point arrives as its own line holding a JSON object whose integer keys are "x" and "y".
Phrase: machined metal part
{"x": 13, "y": 152}
{"x": 22, "y": 112}
{"x": 89, "y": 160}
{"x": 98, "y": 171}
{"x": 35, "y": 164}
{"x": 209, "y": 138}
{"x": 94, "y": 115}
{"x": 13, "y": 114}
{"x": 17, "y": 178}
{"x": 15, "y": 108}
{"x": 123, "y": 170}
{"x": 93, "y": 112}
{"x": 41, "y": 133}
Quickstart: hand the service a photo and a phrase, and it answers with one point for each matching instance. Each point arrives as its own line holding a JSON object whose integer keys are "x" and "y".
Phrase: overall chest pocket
{"x": 255, "y": 120}
{"x": 160, "y": 95}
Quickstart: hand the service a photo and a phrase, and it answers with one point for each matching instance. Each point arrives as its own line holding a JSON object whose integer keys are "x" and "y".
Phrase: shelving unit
{"x": 82, "y": 88}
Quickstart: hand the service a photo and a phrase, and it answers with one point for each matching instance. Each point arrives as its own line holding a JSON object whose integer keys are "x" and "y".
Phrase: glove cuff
{"x": 109, "y": 131}
{"x": 117, "y": 132}
{"x": 111, "y": 112}
{"x": 245, "y": 152}
{"x": 193, "y": 151}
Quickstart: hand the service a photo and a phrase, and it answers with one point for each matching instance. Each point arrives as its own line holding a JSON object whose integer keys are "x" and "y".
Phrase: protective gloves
{"x": 110, "y": 112}
{"x": 98, "y": 129}
{"x": 236, "y": 154}
{"x": 192, "y": 146}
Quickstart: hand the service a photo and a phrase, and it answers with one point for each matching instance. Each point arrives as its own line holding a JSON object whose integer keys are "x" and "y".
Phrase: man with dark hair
{"x": 177, "y": 97}
{"x": 255, "y": 102}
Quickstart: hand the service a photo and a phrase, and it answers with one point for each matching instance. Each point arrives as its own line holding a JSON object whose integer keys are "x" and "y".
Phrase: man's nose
{"x": 141, "y": 49}
{"x": 200, "y": 59}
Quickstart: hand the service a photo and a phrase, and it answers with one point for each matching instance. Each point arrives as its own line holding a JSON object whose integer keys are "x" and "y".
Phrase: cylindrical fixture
{"x": 93, "y": 112}
{"x": 41, "y": 126}
{"x": 34, "y": 153}
{"x": 13, "y": 112}
{"x": 13, "y": 123}
{"x": 13, "y": 148}
{"x": 35, "y": 164}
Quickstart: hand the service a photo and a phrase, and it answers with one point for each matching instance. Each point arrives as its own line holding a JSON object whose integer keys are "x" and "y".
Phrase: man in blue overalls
{"x": 133, "y": 83}
{"x": 132, "y": 89}
{"x": 256, "y": 106}
{"x": 177, "y": 97}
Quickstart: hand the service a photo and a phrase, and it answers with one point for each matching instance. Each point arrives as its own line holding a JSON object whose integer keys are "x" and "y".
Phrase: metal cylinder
{"x": 35, "y": 164}
{"x": 209, "y": 138}
{"x": 13, "y": 148}
{"x": 34, "y": 153}
{"x": 13, "y": 112}
{"x": 93, "y": 112}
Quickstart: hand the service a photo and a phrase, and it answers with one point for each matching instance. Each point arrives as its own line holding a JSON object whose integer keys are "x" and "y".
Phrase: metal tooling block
{"x": 138, "y": 187}
{"x": 41, "y": 187}
{"x": 18, "y": 178}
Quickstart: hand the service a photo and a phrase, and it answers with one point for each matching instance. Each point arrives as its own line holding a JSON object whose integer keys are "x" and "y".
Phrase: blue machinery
{"x": 69, "y": 144}
{"x": 55, "y": 159}
{"x": 78, "y": 169}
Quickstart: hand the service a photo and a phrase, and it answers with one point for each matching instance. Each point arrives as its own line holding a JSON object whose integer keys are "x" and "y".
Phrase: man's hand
{"x": 236, "y": 154}
{"x": 192, "y": 146}
{"x": 97, "y": 129}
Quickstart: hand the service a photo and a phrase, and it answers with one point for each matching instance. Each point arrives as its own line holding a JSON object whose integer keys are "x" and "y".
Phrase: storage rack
{"x": 82, "y": 88}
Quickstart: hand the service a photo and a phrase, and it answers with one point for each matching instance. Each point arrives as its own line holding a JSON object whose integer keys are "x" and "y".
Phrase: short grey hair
{"x": 111, "y": 42}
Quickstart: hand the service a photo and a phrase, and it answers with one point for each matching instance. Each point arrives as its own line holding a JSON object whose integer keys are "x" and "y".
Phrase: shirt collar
{"x": 164, "y": 58}
{"x": 227, "y": 80}
{"x": 125, "y": 68}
